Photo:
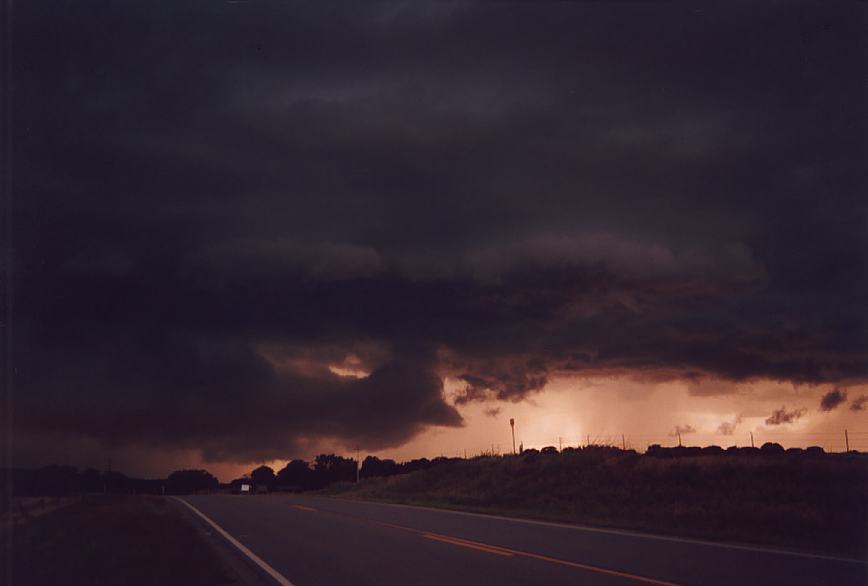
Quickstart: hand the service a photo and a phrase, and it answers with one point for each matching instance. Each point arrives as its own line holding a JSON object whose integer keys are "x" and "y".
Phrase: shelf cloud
{"x": 215, "y": 203}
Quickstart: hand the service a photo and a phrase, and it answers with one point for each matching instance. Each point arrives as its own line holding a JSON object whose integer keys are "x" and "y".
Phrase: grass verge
{"x": 110, "y": 540}
{"x": 812, "y": 504}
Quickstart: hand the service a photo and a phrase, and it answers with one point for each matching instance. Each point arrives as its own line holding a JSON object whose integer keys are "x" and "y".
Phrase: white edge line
{"x": 280, "y": 578}
{"x": 617, "y": 532}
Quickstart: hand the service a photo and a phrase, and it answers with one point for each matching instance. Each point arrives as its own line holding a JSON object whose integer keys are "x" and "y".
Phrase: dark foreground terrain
{"x": 111, "y": 540}
{"x": 800, "y": 501}
{"x": 308, "y": 540}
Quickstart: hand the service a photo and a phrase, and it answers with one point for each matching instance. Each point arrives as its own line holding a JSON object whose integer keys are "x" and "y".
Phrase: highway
{"x": 319, "y": 541}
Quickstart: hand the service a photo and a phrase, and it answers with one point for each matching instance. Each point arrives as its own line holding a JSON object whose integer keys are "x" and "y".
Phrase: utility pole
{"x": 623, "y": 443}
{"x": 358, "y": 464}
{"x": 512, "y": 426}
{"x": 751, "y": 439}
{"x": 560, "y": 444}
{"x": 589, "y": 440}
{"x": 678, "y": 433}
{"x": 847, "y": 441}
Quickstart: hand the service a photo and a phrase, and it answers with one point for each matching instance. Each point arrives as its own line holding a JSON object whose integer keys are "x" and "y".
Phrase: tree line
{"x": 55, "y": 480}
{"x": 300, "y": 475}
{"x": 326, "y": 469}
{"x": 297, "y": 475}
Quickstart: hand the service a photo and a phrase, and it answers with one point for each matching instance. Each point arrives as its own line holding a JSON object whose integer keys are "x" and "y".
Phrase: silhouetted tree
{"x": 373, "y": 466}
{"x": 187, "y": 481}
{"x": 772, "y": 448}
{"x": 263, "y": 476}
{"x": 413, "y": 465}
{"x": 296, "y": 475}
{"x": 329, "y": 468}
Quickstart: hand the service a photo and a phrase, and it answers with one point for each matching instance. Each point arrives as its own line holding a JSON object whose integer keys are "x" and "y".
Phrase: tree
{"x": 772, "y": 448}
{"x": 373, "y": 466}
{"x": 187, "y": 481}
{"x": 263, "y": 476}
{"x": 296, "y": 475}
{"x": 330, "y": 468}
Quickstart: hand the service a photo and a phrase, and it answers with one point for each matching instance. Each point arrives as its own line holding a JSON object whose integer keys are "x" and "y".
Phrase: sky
{"x": 253, "y": 231}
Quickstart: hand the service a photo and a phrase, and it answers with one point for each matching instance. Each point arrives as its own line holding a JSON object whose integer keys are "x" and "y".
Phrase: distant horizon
{"x": 310, "y": 461}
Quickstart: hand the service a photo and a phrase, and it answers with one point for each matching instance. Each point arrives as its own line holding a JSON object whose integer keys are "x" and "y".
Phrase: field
{"x": 108, "y": 540}
{"x": 817, "y": 503}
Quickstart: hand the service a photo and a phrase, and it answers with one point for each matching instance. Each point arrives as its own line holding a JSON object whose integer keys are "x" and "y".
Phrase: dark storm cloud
{"x": 519, "y": 380}
{"x": 781, "y": 416}
{"x": 232, "y": 401}
{"x": 832, "y": 399}
{"x": 217, "y": 202}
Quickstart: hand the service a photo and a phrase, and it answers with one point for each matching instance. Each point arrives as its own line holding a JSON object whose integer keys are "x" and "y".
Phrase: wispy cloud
{"x": 782, "y": 416}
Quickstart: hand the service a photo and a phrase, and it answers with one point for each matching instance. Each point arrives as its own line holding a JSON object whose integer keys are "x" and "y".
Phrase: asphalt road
{"x": 318, "y": 541}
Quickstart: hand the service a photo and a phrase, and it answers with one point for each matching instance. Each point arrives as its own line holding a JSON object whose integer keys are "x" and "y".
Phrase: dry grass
{"x": 818, "y": 504}
{"x": 109, "y": 540}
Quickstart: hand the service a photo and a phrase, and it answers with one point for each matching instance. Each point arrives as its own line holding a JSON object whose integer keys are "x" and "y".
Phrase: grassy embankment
{"x": 108, "y": 540}
{"x": 813, "y": 503}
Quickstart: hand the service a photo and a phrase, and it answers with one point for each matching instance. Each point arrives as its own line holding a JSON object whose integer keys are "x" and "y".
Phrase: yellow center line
{"x": 505, "y": 551}
{"x": 304, "y": 508}
{"x": 469, "y": 544}
{"x": 597, "y": 569}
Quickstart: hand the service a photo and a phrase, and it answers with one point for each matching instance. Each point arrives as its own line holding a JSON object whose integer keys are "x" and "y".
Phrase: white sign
{"x": 245, "y": 488}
